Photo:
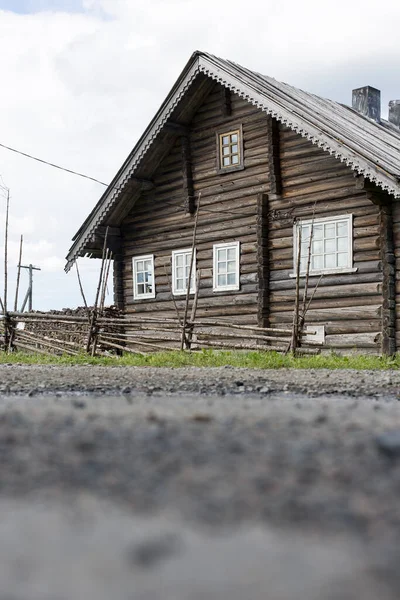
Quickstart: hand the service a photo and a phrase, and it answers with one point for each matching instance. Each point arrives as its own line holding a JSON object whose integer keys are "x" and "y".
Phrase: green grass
{"x": 212, "y": 358}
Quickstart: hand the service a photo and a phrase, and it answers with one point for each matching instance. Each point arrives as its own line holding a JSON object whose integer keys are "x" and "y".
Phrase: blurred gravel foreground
{"x": 189, "y": 484}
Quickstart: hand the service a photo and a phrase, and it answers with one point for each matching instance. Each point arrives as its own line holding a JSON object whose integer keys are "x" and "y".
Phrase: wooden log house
{"x": 269, "y": 161}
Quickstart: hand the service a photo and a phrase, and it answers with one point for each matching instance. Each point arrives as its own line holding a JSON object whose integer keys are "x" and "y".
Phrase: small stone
{"x": 388, "y": 443}
{"x": 78, "y": 403}
{"x": 149, "y": 553}
{"x": 265, "y": 390}
{"x": 32, "y": 392}
{"x": 127, "y": 389}
{"x": 201, "y": 418}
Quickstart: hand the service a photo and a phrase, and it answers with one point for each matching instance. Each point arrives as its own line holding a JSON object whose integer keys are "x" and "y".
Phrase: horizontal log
{"x": 336, "y": 291}
{"x": 354, "y": 340}
{"x": 317, "y": 316}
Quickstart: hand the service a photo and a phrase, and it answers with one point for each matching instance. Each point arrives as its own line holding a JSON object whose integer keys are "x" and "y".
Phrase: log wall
{"x": 284, "y": 179}
{"x": 349, "y": 304}
{"x": 160, "y": 222}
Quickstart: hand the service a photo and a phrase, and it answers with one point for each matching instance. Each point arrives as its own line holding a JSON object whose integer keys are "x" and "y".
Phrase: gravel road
{"x": 189, "y": 484}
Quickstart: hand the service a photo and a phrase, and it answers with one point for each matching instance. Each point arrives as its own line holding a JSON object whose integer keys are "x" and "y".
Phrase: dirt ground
{"x": 189, "y": 484}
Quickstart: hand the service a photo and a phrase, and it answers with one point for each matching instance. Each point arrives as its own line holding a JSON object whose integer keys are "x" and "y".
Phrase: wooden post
{"x": 190, "y": 273}
{"x": 82, "y": 292}
{"x": 6, "y": 252}
{"x": 92, "y": 335}
{"x": 18, "y": 275}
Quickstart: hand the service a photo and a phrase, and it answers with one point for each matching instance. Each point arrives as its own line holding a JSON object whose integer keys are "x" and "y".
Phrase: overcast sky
{"x": 81, "y": 79}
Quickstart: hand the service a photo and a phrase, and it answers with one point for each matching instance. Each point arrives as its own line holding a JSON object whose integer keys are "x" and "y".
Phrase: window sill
{"x": 230, "y": 288}
{"x": 184, "y": 293}
{"x": 144, "y": 297}
{"x": 326, "y": 272}
{"x": 222, "y": 170}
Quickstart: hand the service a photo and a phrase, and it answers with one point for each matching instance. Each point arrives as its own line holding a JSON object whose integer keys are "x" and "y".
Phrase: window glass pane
{"x": 149, "y": 288}
{"x": 330, "y": 245}
{"x": 342, "y": 259}
{"x": 235, "y": 159}
{"x": 139, "y": 265}
{"x": 222, "y": 254}
{"x": 234, "y": 149}
{"x": 317, "y": 247}
{"x": 305, "y": 233}
{"x": 226, "y": 161}
{"x": 231, "y": 278}
{"x": 147, "y": 265}
{"x": 231, "y": 253}
{"x": 303, "y": 264}
{"x": 221, "y": 280}
{"x": 342, "y": 228}
{"x": 225, "y": 139}
{"x": 330, "y": 230}
{"x": 231, "y": 266}
{"x": 318, "y": 232}
{"x": 221, "y": 268}
{"x": 179, "y": 283}
{"x": 179, "y": 260}
{"x": 317, "y": 262}
{"x": 140, "y": 288}
{"x": 304, "y": 249}
{"x": 225, "y": 150}
{"x": 234, "y": 137}
{"x": 188, "y": 258}
{"x": 343, "y": 244}
{"x": 330, "y": 261}
{"x": 140, "y": 277}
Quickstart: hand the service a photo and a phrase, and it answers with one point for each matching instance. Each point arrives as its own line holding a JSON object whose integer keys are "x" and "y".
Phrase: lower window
{"x": 143, "y": 277}
{"x": 226, "y": 266}
{"x": 180, "y": 271}
{"x": 331, "y": 245}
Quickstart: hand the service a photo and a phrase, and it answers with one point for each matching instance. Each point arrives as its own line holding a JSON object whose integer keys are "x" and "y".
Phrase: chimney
{"x": 394, "y": 112}
{"x": 367, "y": 101}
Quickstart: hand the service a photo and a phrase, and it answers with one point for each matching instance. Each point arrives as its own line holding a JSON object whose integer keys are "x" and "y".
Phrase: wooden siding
{"x": 160, "y": 222}
{"x": 348, "y": 304}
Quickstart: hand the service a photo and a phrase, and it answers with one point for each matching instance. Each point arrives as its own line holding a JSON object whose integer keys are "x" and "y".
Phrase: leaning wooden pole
{"x": 81, "y": 289}
{"x": 6, "y": 253}
{"x": 18, "y": 275}
{"x": 190, "y": 273}
{"x": 295, "y": 330}
{"x": 93, "y": 328}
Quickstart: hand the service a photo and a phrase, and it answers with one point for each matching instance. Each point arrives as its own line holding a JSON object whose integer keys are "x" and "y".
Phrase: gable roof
{"x": 369, "y": 148}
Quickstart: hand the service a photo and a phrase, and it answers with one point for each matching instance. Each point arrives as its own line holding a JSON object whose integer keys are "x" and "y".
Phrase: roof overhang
{"x": 311, "y": 117}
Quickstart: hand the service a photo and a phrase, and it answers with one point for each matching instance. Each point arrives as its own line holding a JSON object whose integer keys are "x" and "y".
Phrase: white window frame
{"x": 180, "y": 292}
{"x": 136, "y": 294}
{"x": 322, "y": 221}
{"x": 227, "y": 288}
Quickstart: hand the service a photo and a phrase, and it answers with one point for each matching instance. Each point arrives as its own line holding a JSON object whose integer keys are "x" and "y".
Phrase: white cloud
{"x": 79, "y": 89}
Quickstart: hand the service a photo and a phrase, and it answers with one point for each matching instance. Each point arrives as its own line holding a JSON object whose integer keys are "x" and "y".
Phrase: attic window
{"x": 230, "y": 150}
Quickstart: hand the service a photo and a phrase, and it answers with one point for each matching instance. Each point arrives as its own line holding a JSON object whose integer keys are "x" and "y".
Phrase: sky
{"x": 81, "y": 79}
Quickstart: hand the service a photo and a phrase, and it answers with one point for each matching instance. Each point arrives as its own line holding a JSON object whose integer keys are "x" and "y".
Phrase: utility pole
{"x": 28, "y": 296}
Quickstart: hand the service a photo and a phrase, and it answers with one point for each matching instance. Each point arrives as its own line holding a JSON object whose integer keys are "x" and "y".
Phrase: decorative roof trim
{"x": 301, "y": 127}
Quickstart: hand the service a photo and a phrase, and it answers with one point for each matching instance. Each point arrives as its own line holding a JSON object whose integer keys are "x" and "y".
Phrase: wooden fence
{"x": 99, "y": 334}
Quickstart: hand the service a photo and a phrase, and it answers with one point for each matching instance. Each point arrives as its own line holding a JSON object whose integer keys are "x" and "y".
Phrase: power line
{"x": 232, "y": 211}
{"x": 45, "y": 162}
